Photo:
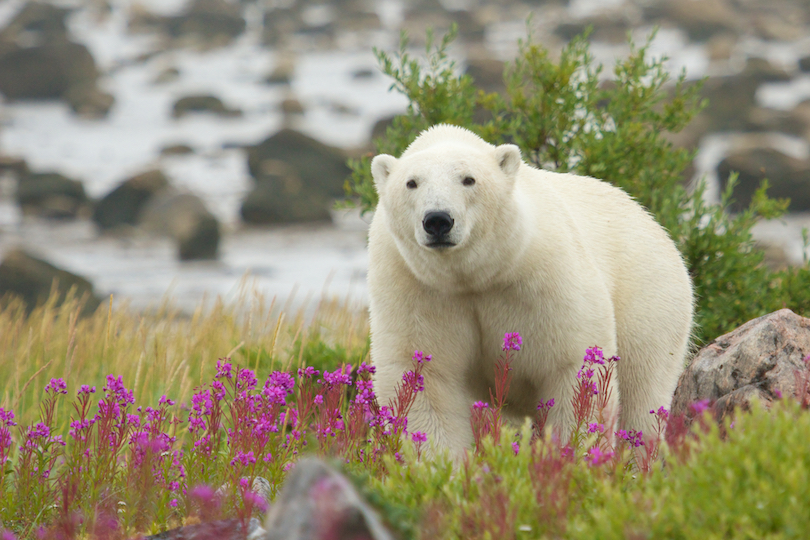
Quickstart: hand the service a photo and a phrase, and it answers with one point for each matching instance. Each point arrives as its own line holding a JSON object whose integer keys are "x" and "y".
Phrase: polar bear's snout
{"x": 437, "y": 225}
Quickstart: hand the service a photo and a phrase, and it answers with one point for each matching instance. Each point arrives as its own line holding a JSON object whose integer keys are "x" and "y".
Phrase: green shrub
{"x": 564, "y": 119}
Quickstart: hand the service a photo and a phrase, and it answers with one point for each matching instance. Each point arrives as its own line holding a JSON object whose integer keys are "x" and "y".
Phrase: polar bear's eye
{"x": 468, "y": 181}
{"x": 411, "y": 184}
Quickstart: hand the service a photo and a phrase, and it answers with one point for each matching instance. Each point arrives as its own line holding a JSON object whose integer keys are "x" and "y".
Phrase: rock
{"x": 296, "y": 179}
{"x": 487, "y": 72}
{"x": 44, "y": 71}
{"x": 761, "y": 70}
{"x": 281, "y": 199}
{"x": 283, "y": 71}
{"x": 317, "y": 503}
{"x": 381, "y": 126}
{"x": 721, "y": 46}
{"x": 211, "y": 22}
{"x": 202, "y": 103}
{"x": 764, "y": 119}
{"x": 183, "y": 217}
{"x": 758, "y": 360}
{"x": 279, "y": 24}
{"x": 50, "y": 195}
{"x": 38, "y": 61}
{"x": 167, "y": 75}
{"x": 291, "y": 105}
{"x": 31, "y": 279}
{"x": 700, "y": 18}
{"x": 122, "y": 206}
{"x": 789, "y": 177}
{"x": 176, "y": 150}
{"x": 36, "y": 23}
{"x": 228, "y": 529}
{"x": 608, "y": 27}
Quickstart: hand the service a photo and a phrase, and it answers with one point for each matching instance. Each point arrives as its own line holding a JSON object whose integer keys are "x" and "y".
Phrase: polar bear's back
{"x": 641, "y": 265}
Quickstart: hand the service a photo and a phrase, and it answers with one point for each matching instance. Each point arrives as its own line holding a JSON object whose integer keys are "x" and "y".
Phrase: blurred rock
{"x": 721, "y": 46}
{"x": 183, "y": 217}
{"x": 122, "y": 206}
{"x": 701, "y": 19}
{"x": 758, "y": 360}
{"x": 610, "y": 27}
{"x": 202, "y": 103}
{"x": 176, "y": 150}
{"x": 32, "y": 279}
{"x": 283, "y": 71}
{"x": 50, "y": 195}
{"x": 731, "y": 98}
{"x": 296, "y": 179}
{"x": 487, "y": 72}
{"x": 289, "y": 153}
{"x": 766, "y": 120}
{"x": 167, "y": 75}
{"x": 776, "y": 256}
{"x": 789, "y": 177}
{"x": 35, "y": 24}
{"x": 38, "y": 61}
{"x": 804, "y": 64}
{"x": 229, "y": 529}
{"x": 209, "y": 22}
{"x": 380, "y": 127}
{"x": 291, "y": 105}
{"x": 279, "y": 24}
{"x": 318, "y": 503}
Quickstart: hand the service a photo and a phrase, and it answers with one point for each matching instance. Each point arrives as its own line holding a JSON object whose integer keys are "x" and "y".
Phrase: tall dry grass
{"x": 163, "y": 351}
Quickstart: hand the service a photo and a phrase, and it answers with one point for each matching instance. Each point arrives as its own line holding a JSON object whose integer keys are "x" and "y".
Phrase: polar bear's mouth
{"x": 440, "y": 244}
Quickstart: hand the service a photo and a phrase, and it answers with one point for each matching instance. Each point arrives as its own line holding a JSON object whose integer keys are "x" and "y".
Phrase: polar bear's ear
{"x": 508, "y": 157}
{"x": 381, "y": 167}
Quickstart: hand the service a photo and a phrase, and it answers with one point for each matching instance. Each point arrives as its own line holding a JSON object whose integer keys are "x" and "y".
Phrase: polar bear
{"x": 468, "y": 242}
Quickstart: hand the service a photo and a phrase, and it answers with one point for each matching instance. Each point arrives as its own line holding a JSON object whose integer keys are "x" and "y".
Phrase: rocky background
{"x": 138, "y": 136}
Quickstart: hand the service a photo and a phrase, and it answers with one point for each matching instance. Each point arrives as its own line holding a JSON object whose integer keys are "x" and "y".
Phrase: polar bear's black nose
{"x": 437, "y": 224}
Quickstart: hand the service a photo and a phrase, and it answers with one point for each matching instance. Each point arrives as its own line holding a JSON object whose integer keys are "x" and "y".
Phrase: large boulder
{"x": 32, "y": 279}
{"x": 183, "y": 217}
{"x": 758, "y": 360}
{"x": 208, "y": 22}
{"x": 123, "y": 205}
{"x": 701, "y": 19}
{"x": 317, "y": 503}
{"x": 202, "y": 103}
{"x": 50, "y": 195}
{"x": 296, "y": 179}
{"x": 789, "y": 177}
{"x": 39, "y": 62}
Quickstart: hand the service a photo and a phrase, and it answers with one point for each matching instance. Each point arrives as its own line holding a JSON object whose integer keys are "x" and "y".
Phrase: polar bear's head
{"x": 450, "y": 189}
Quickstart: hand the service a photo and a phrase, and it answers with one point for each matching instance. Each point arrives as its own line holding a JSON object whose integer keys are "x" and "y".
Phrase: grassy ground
{"x": 166, "y": 352}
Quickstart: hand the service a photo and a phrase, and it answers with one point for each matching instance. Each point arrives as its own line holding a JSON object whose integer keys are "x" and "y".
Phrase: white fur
{"x": 567, "y": 261}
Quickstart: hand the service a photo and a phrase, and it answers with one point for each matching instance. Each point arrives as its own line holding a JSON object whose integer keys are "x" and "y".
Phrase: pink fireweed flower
{"x": 56, "y": 386}
{"x": 661, "y": 413}
{"x": 596, "y": 428}
{"x": 594, "y": 355}
{"x": 86, "y": 390}
{"x": 479, "y": 405}
{"x": 309, "y": 372}
{"x": 173, "y": 503}
{"x": 339, "y": 376}
{"x": 699, "y": 407}
{"x": 419, "y": 437}
{"x": 512, "y": 341}
{"x": 244, "y": 458}
{"x": 516, "y": 447}
{"x": 634, "y": 438}
{"x": 224, "y": 369}
{"x": 419, "y": 357}
{"x": 366, "y": 368}
{"x": 597, "y": 457}
{"x": 246, "y": 380}
{"x": 318, "y": 399}
{"x": 8, "y": 535}
{"x": 165, "y": 401}
{"x": 413, "y": 382}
